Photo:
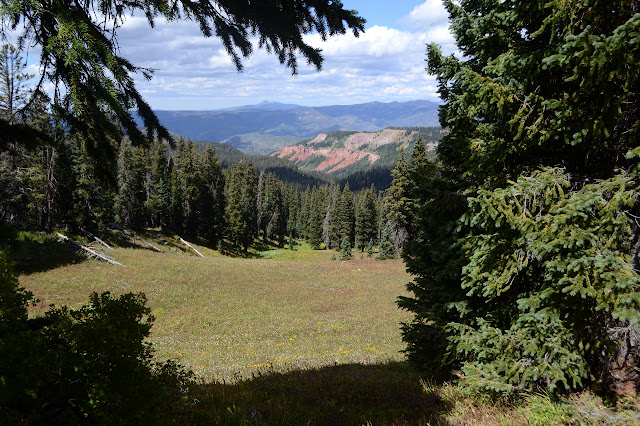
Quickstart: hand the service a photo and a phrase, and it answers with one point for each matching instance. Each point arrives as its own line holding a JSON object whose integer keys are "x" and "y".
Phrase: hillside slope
{"x": 343, "y": 153}
{"x": 267, "y": 127}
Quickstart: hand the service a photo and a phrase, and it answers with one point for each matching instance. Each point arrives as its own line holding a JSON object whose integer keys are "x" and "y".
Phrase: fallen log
{"x": 136, "y": 236}
{"x": 90, "y": 235}
{"x": 190, "y": 246}
{"x": 88, "y": 250}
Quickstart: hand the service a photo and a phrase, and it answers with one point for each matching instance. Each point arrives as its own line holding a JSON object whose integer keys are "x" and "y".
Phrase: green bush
{"x": 552, "y": 269}
{"x": 90, "y": 365}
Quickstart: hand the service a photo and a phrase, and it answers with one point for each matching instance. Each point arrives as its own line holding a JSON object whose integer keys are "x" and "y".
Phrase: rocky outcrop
{"x": 342, "y": 152}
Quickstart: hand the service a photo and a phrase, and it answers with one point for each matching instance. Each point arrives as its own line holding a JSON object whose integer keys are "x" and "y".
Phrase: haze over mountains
{"x": 270, "y": 126}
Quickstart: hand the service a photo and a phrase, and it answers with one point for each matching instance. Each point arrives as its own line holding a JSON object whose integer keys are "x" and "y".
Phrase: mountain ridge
{"x": 270, "y": 126}
{"x": 342, "y": 153}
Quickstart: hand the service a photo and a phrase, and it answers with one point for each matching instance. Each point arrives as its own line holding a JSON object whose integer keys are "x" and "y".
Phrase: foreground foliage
{"x": 296, "y": 338}
{"x": 90, "y": 364}
{"x": 527, "y": 251}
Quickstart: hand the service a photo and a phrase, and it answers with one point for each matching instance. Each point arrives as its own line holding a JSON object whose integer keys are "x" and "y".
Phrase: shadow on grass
{"x": 389, "y": 393}
{"x": 256, "y": 249}
{"x": 36, "y": 252}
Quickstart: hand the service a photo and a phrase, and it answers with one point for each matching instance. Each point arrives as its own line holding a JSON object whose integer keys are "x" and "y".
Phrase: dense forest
{"x": 186, "y": 191}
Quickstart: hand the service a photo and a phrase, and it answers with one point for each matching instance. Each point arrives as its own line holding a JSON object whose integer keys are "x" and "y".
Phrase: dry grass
{"x": 294, "y": 337}
{"x": 228, "y": 318}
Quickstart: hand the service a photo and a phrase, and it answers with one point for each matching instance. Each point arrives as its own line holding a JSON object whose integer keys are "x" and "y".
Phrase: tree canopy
{"x": 526, "y": 246}
{"x": 94, "y": 87}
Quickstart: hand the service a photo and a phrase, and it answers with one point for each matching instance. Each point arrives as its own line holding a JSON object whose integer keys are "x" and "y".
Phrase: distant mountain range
{"x": 270, "y": 126}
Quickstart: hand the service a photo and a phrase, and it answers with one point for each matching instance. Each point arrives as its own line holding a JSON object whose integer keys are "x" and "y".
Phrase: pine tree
{"x": 398, "y": 204}
{"x": 316, "y": 218}
{"x": 386, "y": 250}
{"x": 211, "y": 197}
{"x": 366, "y": 219}
{"x": 233, "y": 210}
{"x": 159, "y": 200}
{"x": 190, "y": 179}
{"x": 345, "y": 249}
{"x": 331, "y": 224}
{"x": 92, "y": 199}
{"x": 249, "y": 210}
{"x": 25, "y": 196}
{"x": 346, "y": 216}
{"x": 294, "y": 217}
{"x": 523, "y": 268}
{"x": 15, "y": 94}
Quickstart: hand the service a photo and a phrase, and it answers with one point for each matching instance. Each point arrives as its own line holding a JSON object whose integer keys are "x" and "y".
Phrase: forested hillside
{"x": 189, "y": 191}
{"x": 343, "y": 153}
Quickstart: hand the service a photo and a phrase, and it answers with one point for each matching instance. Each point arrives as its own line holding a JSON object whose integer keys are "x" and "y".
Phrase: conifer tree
{"x": 524, "y": 268}
{"x": 249, "y": 210}
{"x": 366, "y": 218}
{"x": 398, "y": 204}
{"x": 92, "y": 199}
{"x": 211, "y": 197}
{"x": 294, "y": 206}
{"x": 25, "y": 190}
{"x": 127, "y": 206}
{"x": 346, "y": 216}
{"x": 317, "y": 211}
{"x": 190, "y": 179}
{"x": 386, "y": 249}
{"x": 159, "y": 200}
{"x": 345, "y": 249}
{"x": 233, "y": 210}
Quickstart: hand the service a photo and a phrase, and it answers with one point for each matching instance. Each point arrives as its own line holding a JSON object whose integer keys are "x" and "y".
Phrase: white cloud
{"x": 426, "y": 15}
{"x": 193, "y": 72}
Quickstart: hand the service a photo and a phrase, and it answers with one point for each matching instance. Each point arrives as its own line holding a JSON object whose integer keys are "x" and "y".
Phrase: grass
{"x": 230, "y": 318}
{"x": 293, "y": 337}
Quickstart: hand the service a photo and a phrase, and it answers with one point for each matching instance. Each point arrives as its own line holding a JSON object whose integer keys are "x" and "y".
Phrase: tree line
{"x": 186, "y": 190}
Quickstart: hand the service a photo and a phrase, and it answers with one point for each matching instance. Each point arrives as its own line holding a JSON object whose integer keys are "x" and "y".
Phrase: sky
{"x": 386, "y": 63}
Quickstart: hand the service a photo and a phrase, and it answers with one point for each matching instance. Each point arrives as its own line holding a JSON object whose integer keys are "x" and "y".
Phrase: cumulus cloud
{"x": 429, "y": 14}
{"x": 194, "y": 72}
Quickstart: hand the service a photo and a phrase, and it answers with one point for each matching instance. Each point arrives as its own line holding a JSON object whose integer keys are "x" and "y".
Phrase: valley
{"x": 269, "y": 126}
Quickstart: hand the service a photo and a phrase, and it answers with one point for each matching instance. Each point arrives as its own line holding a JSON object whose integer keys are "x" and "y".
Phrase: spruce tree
{"x": 211, "y": 197}
{"x": 398, "y": 204}
{"x": 294, "y": 217}
{"x": 366, "y": 218}
{"x": 331, "y": 226}
{"x": 346, "y": 217}
{"x": 523, "y": 256}
{"x": 316, "y": 201}
{"x": 234, "y": 181}
{"x": 191, "y": 188}
{"x": 159, "y": 200}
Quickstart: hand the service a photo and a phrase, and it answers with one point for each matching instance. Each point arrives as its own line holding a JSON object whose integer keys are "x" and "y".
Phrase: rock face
{"x": 335, "y": 151}
{"x": 333, "y": 159}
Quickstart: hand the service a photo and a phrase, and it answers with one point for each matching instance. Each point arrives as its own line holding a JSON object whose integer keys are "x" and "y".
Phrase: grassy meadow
{"x": 293, "y": 337}
{"x": 230, "y": 318}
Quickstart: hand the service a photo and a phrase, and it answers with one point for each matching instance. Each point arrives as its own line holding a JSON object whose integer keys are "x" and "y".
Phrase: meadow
{"x": 229, "y": 318}
{"x": 293, "y": 337}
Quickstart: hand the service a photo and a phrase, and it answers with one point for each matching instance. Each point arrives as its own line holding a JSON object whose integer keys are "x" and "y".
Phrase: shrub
{"x": 90, "y": 365}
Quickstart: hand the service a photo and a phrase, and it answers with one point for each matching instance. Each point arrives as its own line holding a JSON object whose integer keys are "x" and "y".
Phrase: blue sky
{"x": 386, "y": 63}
